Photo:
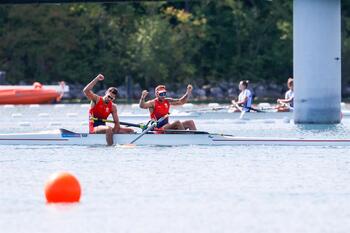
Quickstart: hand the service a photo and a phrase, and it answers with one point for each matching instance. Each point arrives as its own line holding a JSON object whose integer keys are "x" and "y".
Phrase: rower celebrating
{"x": 101, "y": 107}
{"x": 287, "y": 104}
{"x": 159, "y": 107}
{"x": 245, "y": 98}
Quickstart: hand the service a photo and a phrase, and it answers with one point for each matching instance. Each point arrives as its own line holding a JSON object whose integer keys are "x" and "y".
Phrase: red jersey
{"x": 100, "y": 110}
{"x": 160, "y": 109}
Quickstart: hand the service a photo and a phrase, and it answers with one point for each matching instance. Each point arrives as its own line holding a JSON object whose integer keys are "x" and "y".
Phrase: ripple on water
{"x": 178, "y": 189}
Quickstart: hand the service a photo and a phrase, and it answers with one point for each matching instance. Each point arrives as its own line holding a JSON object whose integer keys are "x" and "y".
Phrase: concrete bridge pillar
{"x": 317, "y": 61}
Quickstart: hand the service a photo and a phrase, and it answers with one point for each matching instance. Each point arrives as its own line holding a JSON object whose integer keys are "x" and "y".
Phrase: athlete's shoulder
{"x": 94, "y": 103}
{"x": 170, "y": 100}
{"x": 289, "y": 92}
{"x": 152, "y": 101}
{"x": 98, "y": 99}
{"x": 114, "y": 105}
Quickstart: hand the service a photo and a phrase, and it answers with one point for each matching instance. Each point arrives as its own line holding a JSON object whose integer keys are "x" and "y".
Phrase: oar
{"x": 220, "y": 108}
{"x": 239, "y": 108}
{"x": 234, "y": 104}
{"x": 141, "y": 126}
{"x": 250, "y": 108}
{"x": 151, "y": 127}
{"x": 255, "y": 109}
{"x": 242, "y": 114}
{"x": 208, "y": 109}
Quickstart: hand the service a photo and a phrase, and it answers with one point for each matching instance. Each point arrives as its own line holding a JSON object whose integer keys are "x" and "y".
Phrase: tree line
{"x": 202, "y": 42}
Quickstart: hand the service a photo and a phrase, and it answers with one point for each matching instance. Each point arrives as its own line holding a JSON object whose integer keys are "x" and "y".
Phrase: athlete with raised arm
{"x": 101, "y": 108}
{"x": 160, "y": 106}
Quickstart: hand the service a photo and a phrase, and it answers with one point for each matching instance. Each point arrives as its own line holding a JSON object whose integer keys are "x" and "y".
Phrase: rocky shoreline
{"x": 221, "y": 92}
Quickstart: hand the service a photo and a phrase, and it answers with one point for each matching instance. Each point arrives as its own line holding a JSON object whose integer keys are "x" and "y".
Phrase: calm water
{"x": 176, "y": 189}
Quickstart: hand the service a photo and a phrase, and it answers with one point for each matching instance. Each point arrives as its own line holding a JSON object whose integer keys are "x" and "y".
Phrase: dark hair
{"x": 245, "y": 82}
{"x": 113, "y": 90}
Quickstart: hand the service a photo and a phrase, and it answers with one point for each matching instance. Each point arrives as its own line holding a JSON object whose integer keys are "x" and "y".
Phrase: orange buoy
{"x": 62, "y": 187}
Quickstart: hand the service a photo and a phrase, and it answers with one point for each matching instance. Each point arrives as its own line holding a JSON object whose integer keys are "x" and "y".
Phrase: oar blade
{"x": 126, "y": 146}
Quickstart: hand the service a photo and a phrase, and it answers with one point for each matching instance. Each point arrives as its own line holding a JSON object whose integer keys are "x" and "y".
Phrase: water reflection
{"x": 323, "y": 129}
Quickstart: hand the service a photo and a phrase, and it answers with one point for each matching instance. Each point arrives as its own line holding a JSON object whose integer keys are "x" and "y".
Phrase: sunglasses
{"x": 163, "y": 94}
{"x": 110, "y": 97}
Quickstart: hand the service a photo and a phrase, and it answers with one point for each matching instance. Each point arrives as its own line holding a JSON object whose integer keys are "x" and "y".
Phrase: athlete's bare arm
{"x": 115, "y": 118}
{"x": 117, "y": 128}
{"x": 285, "y": 101}
{"x": 145, "y": 104}
{"x": 245, "y": 100}
{"x": 183, "y": 99}
{"x": 88, "y": 89}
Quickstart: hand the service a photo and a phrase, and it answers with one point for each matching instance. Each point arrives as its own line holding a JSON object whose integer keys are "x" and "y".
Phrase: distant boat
{"x": 35, "y": 94}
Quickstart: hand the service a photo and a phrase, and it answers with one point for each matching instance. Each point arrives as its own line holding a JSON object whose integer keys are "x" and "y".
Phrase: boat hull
{"x": 71, "y": 138}
{"x": 28, "y": 96}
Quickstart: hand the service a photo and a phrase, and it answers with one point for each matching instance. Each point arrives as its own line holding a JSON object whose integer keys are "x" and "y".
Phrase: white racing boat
{"x": 65, "y": 137}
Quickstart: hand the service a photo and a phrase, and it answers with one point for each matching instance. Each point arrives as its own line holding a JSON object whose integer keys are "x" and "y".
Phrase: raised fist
{"x": 189, "y": 88}
{"x": 100, "y": 77}
{"x": 144, "y": 94}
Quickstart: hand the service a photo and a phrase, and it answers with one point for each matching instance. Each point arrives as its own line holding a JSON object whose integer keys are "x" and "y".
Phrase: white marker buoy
{"x": 213, "y": 105}
{"x": 72, "y": 114}
{"x": 85, "y": 105}
{"x": 60, "y": 106}
{"x": 34, "y": 106}
{"x": 55, "y": 124}
{"x": 24, "y": 124}
{"x": 188, "y": 105}
{"x": 43, "y": 114}
{"x": 16, "y": 115}
{"x": 9, "y": 106}
{"x": 135, "y": 106}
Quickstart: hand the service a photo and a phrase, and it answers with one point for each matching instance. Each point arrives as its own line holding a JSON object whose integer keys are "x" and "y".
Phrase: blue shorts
{"x": 98, "y": 123}
{"x": 164, "y": 122}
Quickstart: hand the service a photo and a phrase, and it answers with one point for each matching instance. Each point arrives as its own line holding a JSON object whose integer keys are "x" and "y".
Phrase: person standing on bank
{"x": 101, "y": 107}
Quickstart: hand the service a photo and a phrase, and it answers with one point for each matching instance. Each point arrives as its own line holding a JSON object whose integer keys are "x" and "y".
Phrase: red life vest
{"x": 100, "y": 110}
{"x": 160, "y": 109}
